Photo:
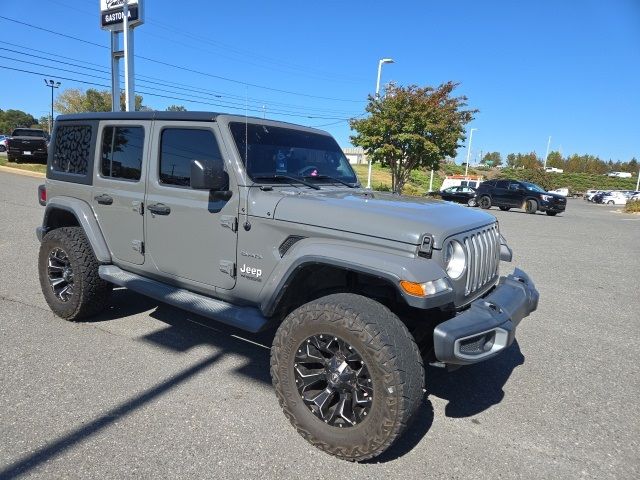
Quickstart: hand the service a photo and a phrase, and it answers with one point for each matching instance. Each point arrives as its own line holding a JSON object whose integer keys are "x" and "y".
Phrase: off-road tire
{"x": 531, "y": 206}
{"x": 390, "y": 353}
{"x": 552, "y": 214}
{"x": 90, "y": 293}
{"x": 505, "y": 209}
{"x": 485, "y": 202}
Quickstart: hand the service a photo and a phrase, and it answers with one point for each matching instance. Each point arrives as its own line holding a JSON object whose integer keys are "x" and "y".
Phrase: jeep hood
{"x": 382, "y": 215}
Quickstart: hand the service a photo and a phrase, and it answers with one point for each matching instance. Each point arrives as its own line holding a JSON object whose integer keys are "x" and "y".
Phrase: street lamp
{"x": 380, "y": 63}
{"x": 466, "y": 168}
{"x": 51, "y": 84}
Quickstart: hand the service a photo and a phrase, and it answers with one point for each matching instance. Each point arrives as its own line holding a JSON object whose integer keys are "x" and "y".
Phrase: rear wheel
{"x": 471, "y": 202}
{"x": 611, "y": 202}
{"x": 531, "y": 206}
{"x": 69, "y": 275}
{"x": 485, "y": 202}
{"x": 348, "y": 375}
{"x": 505, "y": 209}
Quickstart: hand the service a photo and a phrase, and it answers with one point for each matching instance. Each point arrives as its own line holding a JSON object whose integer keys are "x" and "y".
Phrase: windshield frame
{"x": 325, "y": 145}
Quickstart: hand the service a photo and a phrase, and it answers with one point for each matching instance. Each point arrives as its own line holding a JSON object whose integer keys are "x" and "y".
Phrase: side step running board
{"x": 246, "y": 318}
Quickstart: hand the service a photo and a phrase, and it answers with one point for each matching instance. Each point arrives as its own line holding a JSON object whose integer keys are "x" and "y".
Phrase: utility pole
{"x": 129, "y": 84}
{"x": 51, "y": 84}
{"x": 638, "y": 182}
{"x": 546, "y": 156}
{"x": 380, "y": 63}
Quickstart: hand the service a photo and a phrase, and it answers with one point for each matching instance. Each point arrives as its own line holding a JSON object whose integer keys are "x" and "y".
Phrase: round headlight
{"x": 455, "y": 259}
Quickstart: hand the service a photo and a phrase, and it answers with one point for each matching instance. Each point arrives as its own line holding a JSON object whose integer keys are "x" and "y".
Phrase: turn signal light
{"x": 426, "y": 288}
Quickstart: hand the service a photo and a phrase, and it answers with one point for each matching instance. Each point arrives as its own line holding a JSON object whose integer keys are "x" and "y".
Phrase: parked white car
{"x": 561, "y": 191}
{"x": 615, "y": 198}
{"x": 620, "y": 174}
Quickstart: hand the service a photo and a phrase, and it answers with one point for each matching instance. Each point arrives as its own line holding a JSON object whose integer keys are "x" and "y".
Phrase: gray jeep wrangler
{"x": 260, "y": 224}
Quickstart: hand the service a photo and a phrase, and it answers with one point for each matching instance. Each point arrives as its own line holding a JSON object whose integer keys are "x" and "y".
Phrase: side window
{"x": 502, "y": 184}
{"x": 122, "y": 149}
{"x": 514, "y": 187}
{"x": 72, "y": 149}
{"x": 178, "y": 146}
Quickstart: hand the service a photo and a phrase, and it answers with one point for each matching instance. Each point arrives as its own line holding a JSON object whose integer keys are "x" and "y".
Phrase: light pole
{"x": 380, "y": 63}
{"x": 546, "y": 156}
{"x": 466, "y": 168}
{"x": 51, "y": 84}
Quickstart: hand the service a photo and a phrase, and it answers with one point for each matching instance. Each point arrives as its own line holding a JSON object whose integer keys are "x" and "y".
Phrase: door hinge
{"x": 138, "y": 246}
{"x": 229, "y": 221}
{"x": 228, "y": 267}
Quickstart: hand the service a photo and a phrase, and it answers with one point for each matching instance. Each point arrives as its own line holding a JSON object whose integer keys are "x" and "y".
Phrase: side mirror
{"x": 207, "y": 175}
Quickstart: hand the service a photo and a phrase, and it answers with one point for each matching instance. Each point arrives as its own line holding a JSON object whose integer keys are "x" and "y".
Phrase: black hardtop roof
{"x": 152, "y": 115}
{"x": 175, "y": 116}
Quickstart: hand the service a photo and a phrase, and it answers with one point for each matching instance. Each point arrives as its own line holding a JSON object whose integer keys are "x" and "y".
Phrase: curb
{"x": 18, "y": 171}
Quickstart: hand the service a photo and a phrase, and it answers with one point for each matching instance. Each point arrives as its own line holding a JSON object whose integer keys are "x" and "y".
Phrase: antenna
{"x": 247, "y": 225}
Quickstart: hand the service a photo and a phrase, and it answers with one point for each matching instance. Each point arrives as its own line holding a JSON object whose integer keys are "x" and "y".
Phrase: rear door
{"x": 500, "y": 193}
{"x": 515, "y": 194}
{"x": 119, "y": 186}
{"x": 190, "y": 236}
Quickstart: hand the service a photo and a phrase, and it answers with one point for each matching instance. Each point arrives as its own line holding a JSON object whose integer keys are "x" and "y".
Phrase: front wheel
{"x": 531, "y": 206}
{"x": 348, "y": 375}
{"x": 611, "y": 202}
{"x": 472, "y": 202}
{"x": 552, "y": 214}
{"x": 485, "y": 202}
{"x": 69, "y": 276}
{"x": 505, "y": 209}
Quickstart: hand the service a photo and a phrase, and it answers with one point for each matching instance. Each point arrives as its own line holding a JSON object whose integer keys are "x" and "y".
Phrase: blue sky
{"x": 565, "y": 69}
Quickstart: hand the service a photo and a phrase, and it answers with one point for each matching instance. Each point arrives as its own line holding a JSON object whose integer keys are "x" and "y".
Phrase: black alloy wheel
{"x": 333, "y": 380}
{"x": 485, "y": 202}
{"x": 60, "y": 274}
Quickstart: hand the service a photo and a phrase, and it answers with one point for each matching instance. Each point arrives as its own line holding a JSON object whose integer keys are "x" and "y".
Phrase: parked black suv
{"x": 507, "y": 194}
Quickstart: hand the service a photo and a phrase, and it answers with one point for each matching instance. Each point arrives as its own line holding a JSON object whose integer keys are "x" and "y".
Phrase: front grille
{"x": 483, "y": 256}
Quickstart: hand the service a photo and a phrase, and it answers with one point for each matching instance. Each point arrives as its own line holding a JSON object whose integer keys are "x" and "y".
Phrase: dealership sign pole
{"x": 122, "y": 16}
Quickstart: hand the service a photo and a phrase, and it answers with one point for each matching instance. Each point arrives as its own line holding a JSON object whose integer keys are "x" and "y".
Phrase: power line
{"x": 191, "y": 88}
{"x": 152, "y": 94}
{"x": 187, "y": 69}
{"x": 259, "y": 102}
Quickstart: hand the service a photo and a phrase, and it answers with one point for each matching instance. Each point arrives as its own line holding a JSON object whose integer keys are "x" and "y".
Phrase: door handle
{"x": 159, "y": 209}
{"x": 104, "y": 199}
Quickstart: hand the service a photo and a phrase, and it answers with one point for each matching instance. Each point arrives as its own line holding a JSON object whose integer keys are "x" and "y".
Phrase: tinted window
{"x": 122, "y": 152}
{"x": 178, "y": 146}
{"x": 26, "y": 132}
{"x": 502, "y": 184}
{"x": 72, "y": 149}
{"x": 514, "y": 186}
{"x": 271, "y": 151}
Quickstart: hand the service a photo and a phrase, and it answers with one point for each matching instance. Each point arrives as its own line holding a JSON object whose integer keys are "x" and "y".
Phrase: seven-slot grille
{"x": 483, "y": 256}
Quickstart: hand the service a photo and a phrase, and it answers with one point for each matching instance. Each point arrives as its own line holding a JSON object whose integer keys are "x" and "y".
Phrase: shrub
{"x": 632, "y": 206}
{"x": 410, "y": 189}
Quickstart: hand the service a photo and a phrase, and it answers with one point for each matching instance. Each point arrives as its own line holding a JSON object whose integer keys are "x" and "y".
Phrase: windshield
{"x": 24, "y": 132}
{"x": 532, "y": 187}
{"x": 272, "y": 153}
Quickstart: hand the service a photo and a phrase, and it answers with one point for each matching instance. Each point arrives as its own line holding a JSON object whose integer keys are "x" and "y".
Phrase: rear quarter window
{"x": 71, "y": 152}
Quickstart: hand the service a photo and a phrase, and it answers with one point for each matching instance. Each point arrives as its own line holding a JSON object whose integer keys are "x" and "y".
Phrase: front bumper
{"x": 488, "y": 326}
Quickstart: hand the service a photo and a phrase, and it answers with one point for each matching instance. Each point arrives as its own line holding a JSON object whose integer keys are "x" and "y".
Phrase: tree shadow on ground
{"x": 475, "y": 388}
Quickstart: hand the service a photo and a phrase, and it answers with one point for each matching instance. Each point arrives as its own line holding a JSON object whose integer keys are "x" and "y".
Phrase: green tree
{"x": 492, "y": 159}
{"x": 74, "y": 100}
{"x": 412, "y": 127}
{"x": 176, "y": 108}
{"x": 11, "y": 119}
{"x": 512, "y": 160}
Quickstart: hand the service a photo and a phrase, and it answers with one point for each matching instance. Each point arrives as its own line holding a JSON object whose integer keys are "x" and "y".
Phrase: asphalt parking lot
{"x": 148, "y": 391}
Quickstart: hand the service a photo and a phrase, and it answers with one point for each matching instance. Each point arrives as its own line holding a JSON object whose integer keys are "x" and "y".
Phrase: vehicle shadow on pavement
{"x": 183, "y": 332}
{"x": 475, "y": 388}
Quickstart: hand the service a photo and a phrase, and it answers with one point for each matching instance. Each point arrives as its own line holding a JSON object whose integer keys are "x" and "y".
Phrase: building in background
{"x": 355, "y": 155}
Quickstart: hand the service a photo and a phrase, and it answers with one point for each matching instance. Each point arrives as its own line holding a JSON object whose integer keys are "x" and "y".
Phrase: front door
{"x": 119, "y": 186}
{"x": 190, "y": 236}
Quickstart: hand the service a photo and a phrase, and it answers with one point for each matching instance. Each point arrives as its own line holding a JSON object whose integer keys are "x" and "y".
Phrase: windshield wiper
{"x": 329, "y": 177}
{"x": 289, "y": 179}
